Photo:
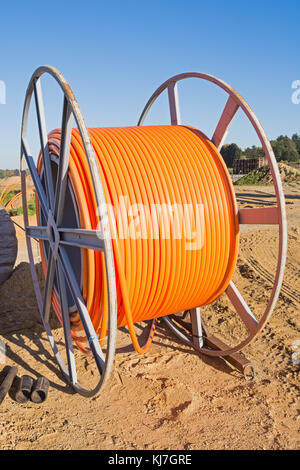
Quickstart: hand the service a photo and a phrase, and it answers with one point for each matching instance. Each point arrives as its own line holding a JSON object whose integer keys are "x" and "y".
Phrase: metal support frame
{"x": 52, "y": 196}
{"x": 266, "y": 215}
{"x": 200, "y": 335}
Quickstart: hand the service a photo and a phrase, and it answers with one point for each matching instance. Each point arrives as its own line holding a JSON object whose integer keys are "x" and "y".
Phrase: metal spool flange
{"x": 265, "y": 215}
{"x": 52, "y": 198}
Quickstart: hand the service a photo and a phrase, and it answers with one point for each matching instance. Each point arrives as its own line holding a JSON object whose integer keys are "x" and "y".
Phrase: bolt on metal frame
{"x": 265, "y": 215}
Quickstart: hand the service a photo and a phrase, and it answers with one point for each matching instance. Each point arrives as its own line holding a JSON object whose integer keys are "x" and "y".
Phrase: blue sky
{"x": 116, "y": 53}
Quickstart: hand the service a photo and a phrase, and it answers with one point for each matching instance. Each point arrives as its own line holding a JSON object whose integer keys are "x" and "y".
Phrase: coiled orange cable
{"x": 156, "y": 275}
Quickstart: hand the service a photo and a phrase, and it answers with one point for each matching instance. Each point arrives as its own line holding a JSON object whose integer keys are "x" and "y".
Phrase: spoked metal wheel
{"x": 53, "y": 190}
{"x": 265, "y": 215}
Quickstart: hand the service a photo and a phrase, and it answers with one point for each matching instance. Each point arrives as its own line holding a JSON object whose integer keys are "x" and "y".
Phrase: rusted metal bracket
{"x": 237, "y": 359}
{"x": 202, "y": 340}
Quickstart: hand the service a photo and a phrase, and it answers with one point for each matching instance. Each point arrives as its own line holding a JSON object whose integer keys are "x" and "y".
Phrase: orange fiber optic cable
{"x": 157, "y": 272}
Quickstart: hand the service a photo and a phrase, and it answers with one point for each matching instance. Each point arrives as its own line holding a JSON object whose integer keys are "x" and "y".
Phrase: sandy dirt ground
{"x": 171, "y": 397}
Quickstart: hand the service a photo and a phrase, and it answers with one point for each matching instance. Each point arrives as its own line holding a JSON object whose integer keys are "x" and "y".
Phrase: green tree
{"x": 285, "y": 149}
{"x": 231, "y": 152}
{"x": 254, "y": 152}
{"x": 296, "y": 140}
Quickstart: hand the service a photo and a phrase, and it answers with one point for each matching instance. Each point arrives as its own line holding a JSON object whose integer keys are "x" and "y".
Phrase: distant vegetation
{"x": 18, "y": 211}
{"x": 254, "y": 177}
{"x": 263, "y": 176}
{"x": 9, "y": 196}
{"x": 285, "y": 149}
{"x": 8, "y": 173}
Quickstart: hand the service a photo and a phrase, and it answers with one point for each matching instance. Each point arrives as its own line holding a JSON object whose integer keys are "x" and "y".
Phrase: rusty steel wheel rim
{"x": 273, "y": 215}
{"x": 51, "y": 203}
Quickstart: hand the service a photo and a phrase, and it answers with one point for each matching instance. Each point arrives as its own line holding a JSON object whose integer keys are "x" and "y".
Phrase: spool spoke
{"x": 38, "y": 185}
{"x": 39, "y": 233}
{"x": 48, "y": 286}
{"x": 82, "y": 310}
{"x": 241, "y": 307}
{"x": 81, "y": 238}
{"x": 44, "y": 140}
{"x": 259, "y": 215}
{"x": 174, "y": 103}
{"x": 62, "y": 177}
{"x": 222, "y": 128}
{"x": 66, "y": 324}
